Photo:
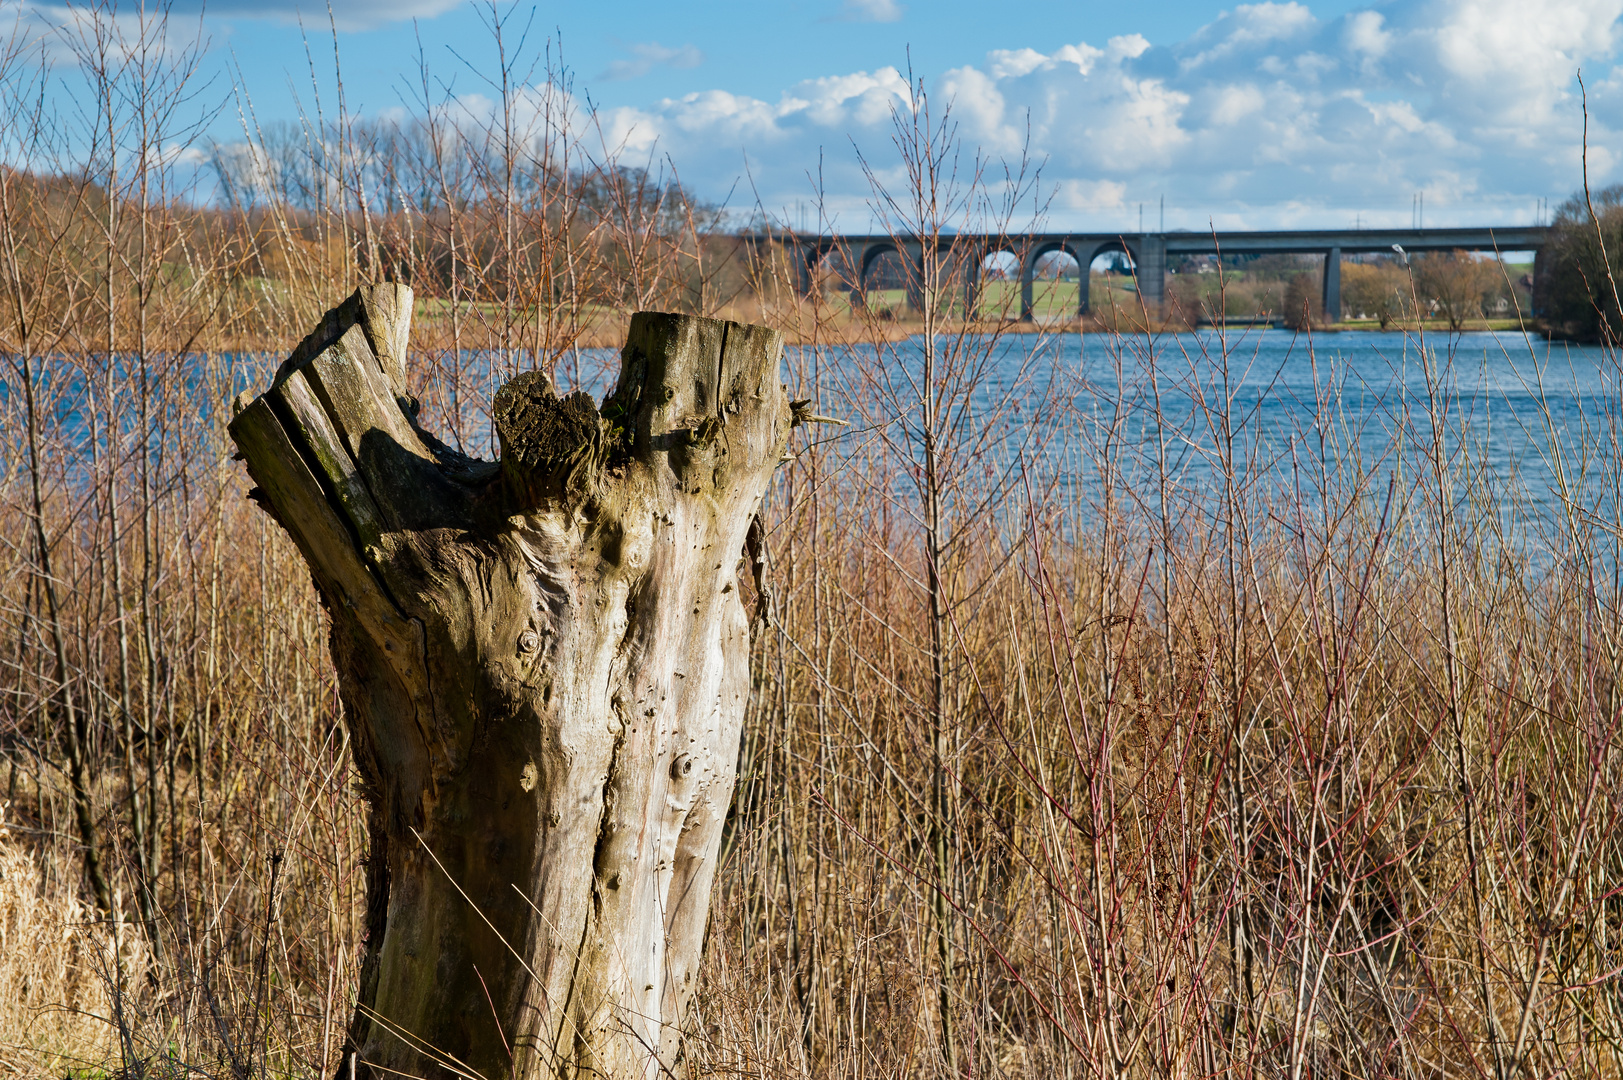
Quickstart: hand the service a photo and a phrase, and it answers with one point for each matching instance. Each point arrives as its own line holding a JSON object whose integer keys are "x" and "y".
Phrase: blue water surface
{"x": 1507, "y": 435}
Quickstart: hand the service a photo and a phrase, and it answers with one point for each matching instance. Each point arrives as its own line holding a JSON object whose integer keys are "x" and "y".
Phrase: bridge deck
{"x": 1299, "y": 241}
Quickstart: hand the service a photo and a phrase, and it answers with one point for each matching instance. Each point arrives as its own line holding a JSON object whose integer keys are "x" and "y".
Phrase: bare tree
{"x": 1454, "y": 283}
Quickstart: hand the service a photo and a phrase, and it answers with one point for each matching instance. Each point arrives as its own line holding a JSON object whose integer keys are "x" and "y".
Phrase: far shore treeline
{"x": 1577, "y": 290}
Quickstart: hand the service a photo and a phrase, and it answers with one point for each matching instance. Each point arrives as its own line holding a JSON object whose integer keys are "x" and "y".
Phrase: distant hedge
{"x": 1580, "y": 273}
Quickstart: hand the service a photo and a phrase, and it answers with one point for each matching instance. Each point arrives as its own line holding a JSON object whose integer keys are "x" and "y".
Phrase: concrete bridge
{"x": 963, "y": 254}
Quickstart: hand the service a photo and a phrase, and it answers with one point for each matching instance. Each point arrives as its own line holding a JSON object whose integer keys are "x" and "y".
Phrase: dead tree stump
{"x": 544, "y": 664}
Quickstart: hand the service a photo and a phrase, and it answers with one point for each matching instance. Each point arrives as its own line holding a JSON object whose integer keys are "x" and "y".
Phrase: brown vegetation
{"x": 1379, "y": 290}
{"x": 1457, "y": 284}
{"x": 1455, "y": 288}
{"x": 1258, "y": 290}
{"x": 1061, "y": 760}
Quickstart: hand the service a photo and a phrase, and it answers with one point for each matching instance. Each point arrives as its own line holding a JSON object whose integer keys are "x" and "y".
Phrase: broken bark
{"x": 544, "y": 666}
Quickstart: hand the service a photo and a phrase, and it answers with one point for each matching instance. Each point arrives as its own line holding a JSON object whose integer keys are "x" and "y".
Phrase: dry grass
{"x": 60, "y": 967}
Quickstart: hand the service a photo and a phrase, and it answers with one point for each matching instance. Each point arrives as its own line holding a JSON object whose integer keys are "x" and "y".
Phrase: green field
{"x": 1050, "y": 299}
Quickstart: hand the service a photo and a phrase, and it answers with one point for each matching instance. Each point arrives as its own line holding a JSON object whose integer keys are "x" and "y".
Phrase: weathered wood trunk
{"x": 544, "y": 666}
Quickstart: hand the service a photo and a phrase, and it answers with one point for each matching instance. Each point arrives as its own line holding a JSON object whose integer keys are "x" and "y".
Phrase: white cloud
{"x": 1510, "y": 64}
{"x": 648, "y": 55}
{"x": 1083, "y": 55}
{"x": 1139, "y": 126}
{"x": 1092, "y": 194}
{"x": 871, "y": 11}
{"x": 1266, "y": 22}
{"x": 1127, "y": 46}
{"x": 1235, "y": 103}
{"x": 66, "y": 33}
{"x": 861, "y": 99}
{"x": 1245, "y": 29}
{"x": 1013, "y": 63}
{"x": 1365, "y": 34}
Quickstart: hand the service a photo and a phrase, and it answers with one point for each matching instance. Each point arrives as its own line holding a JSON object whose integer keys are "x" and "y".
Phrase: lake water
{"x": 1280, "y": 418}
{"x": 1275, "y": 417}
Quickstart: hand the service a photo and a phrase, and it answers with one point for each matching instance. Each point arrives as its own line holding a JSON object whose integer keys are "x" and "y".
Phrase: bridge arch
{"x": 1028, "y": 273}
{"x": 1106, "y": 248}
{"x": 871, "y": 254}
{"x": 811, "y": 257}
{"x": 980, "y": 262}
{"x": 867, "y": 265}
{"x": 828, "y": 268}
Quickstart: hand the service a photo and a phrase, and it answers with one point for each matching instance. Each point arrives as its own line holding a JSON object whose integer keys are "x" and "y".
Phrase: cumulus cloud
{"x": 1248, "y": 29}
{"x": 1269, "y": 115}
{"x": 1507, "y": 64}
{"x": 649, "y": 55}
{"x": 1079, "y": 194}
{"x": 1366, "y": 34}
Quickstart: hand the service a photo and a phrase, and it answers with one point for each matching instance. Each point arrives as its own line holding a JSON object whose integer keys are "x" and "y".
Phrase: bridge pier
{"x": 1151, "y": 258}
{"x": 863, "y": 257}
{"x": 806, "y": 256}
{"x": 1332, "y": 285}
{"x": 1148, "y": 251}
{"x": 913, "y": 256}
{"x": 1028, "y": 270}
{"x": 970, "y": 266}
{"x": 856, "y": 258}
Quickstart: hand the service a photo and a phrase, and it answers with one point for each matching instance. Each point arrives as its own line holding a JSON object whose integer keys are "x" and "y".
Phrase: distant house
{"x": 1197, "y": 264}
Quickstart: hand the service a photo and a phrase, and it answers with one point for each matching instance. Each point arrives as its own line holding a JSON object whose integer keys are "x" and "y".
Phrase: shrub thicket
{"x": 1576, "y": 289}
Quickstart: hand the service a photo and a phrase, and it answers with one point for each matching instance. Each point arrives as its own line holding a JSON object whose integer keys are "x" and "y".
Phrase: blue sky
{"x": 636, "y": 52}
{"x": 1320, "y": 113}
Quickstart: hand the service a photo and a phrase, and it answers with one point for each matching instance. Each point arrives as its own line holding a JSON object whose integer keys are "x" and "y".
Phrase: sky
{"x": 1321, "y": 114}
